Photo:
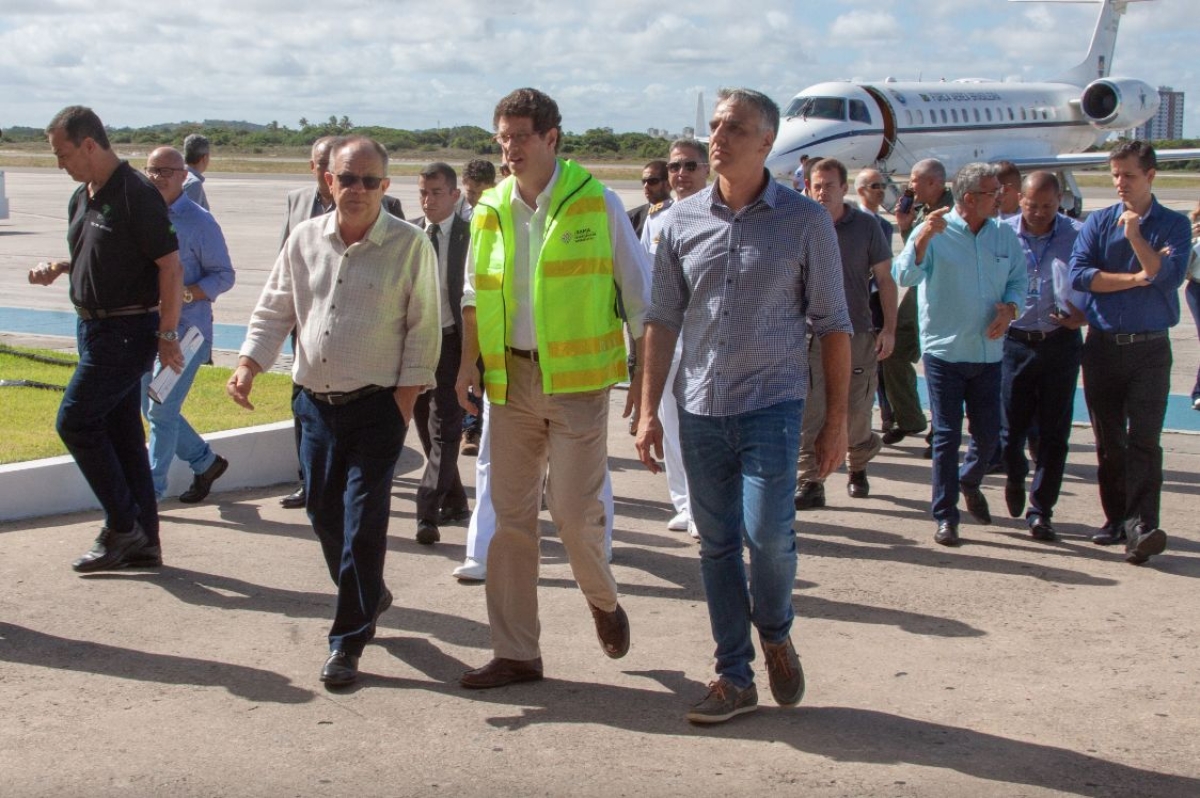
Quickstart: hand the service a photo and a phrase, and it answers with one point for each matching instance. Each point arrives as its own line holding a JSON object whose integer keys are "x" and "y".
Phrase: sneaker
{"x": 784, "y": 671}
{"x": 810, "y": 496}
{"x": 471, "y": 570}
{"x": 680, "y": 522}
{"x": 1196, "y": 403}
{"x": 723, "y": 702}
{"x": 114, "y": 550}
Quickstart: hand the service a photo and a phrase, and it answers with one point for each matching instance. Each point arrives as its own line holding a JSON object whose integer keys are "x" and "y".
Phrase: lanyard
{"x": 1036, "y": 260}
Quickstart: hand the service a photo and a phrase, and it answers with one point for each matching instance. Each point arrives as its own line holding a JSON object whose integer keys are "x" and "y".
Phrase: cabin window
{"x": 943, "y": 110}
{"x": 920, "y": 117}
{"x": 976, "y": 114}
{"x": 818, "y": 108}
{"x": 859, "y": 112}
{"x": 1010, "y": 114}
{"x": 1022, "y": 114}
{"x": 988, "y": 113}
{"x": 908, "y": 117}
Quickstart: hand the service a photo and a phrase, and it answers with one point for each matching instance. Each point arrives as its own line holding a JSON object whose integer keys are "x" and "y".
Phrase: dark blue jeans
{"x": 1193, "y": 301}
{"x": 1126, "y": 389}
{"x": 951, "y": 387}
{"x": 741, "y": 474}
{"x": 349, "y": 453}
{"x": 100, "y": 418}
{"x": 1038, "y": 392}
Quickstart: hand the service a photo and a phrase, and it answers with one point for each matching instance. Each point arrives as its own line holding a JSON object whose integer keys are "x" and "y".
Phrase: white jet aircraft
{"x": 891, "y": 125}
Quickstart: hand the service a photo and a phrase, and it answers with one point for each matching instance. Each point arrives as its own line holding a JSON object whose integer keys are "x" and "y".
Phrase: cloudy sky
{"x": 625, "y": 64}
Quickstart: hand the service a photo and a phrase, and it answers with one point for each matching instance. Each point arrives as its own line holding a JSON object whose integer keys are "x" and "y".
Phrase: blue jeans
{"x": 100, "y": 418}
{"x": 1193, "y": 301}
{"x": 951, "y": 386}
{"x": 171, "y": 435}
{"x": 741, "y": 475}
{"x": 349, "y": 453}
{"x": 1038, "y": 391}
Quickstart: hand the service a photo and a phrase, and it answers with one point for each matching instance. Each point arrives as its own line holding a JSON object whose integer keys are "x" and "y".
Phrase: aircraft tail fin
{"x": 1098, "y": 61}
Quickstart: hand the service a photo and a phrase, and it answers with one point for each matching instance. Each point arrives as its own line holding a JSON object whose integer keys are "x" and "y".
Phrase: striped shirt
{"x": 365, "y": 314}
{"x": 737, "y": 288}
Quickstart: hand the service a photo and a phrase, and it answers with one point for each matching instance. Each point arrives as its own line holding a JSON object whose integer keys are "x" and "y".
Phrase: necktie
{"x": 434, "y": 230}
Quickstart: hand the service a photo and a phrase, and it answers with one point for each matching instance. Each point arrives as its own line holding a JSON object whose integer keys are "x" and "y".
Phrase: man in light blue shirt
{"x": 970, "y": 273}
{"x": 207, "y": 273}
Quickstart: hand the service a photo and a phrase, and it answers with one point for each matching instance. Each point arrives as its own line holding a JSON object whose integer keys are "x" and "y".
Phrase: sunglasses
{"x": 876, "y": 186}
{"x": 675, "y": 166}
{"x": 369, "y": 182}
{"x": 651, "y": 181}
{"x": 162, "y": 171}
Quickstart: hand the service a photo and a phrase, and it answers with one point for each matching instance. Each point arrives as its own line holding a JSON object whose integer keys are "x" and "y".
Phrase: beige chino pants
{"x": 570, "y": 433}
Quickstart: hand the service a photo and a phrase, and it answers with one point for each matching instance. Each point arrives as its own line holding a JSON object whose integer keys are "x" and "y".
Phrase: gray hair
{"x": 765, "y": 106}
{"x": 693, "y": 145}
{"x": 932, "y": 167}
{"x": 969, "y": 177}
{"x": 195, "y": 147}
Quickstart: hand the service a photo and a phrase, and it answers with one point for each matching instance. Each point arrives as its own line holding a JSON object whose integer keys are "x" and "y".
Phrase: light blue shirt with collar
{"x": 205, "y": 259}
{"x": 961, "y": 279}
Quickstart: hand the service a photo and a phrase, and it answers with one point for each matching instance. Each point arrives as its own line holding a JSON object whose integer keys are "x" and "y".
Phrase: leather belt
{"x": 1124, "y": 339}
{"x": 338, "y": 398}
{"x": 528, "y": 354}
{"x": 101, "y": 313}
{"x": 1032, "y": 336}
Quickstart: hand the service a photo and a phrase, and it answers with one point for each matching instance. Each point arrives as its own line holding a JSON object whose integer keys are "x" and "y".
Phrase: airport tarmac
{"x": 1006, "y": 667}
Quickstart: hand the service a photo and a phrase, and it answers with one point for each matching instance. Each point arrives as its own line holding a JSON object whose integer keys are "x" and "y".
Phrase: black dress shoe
{"x": 1040, "y": 528}
{"x": 977, "y": 504}
{"x": 895, "y": 435}
{"x": 115, "y": 550}
{"x": 810, "y": 496}
{"x": 1014, "y": 497}
{"x": 947, "y": 533}
{"x": 612, "y": 628}
{"x": 500, "y": 672}
{"x": 858, "y": 487}
{"x": 340, "y": 669}
{"x": 294, "y": 501}
{"x": 202, "y": 483}
{"x": 1108, "y": 535}
{"x": 1148, "y": 543}
{"x": 385, "y": 601}
{"x": 427, "y": 533}
{"x": 451, "y": 515}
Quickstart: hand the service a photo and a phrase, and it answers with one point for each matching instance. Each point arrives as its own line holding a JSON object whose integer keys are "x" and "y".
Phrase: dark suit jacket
{"x": 637, "y": 217}
{"x": 300, "y": 203}
{"x": 456, "y": 263}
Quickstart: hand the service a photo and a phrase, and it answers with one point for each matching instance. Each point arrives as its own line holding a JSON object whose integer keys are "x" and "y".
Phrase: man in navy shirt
{"x": 1131, "y": 257}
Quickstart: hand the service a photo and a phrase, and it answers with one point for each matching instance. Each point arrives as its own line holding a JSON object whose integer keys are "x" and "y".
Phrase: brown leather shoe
{"x": 500, "y": 672}
{"x": 613, "y": 630}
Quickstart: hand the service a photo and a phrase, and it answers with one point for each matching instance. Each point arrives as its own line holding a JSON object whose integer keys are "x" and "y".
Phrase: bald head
{"x": 166, "y": 169}
{"x": 1040, "y": 181}
{"x": 1041, "y": 196}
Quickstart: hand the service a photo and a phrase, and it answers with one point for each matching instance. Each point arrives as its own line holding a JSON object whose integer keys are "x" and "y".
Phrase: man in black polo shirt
{"x": 124, "y": 256}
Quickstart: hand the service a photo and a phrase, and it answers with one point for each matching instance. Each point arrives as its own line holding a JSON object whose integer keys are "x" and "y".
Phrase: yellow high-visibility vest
{"x": 580, "y": 343}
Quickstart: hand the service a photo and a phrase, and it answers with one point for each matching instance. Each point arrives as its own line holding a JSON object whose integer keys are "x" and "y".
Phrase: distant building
{"x": 1168, "y": 122}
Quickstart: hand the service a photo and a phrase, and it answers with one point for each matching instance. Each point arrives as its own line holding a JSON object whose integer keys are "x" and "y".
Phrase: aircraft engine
{"x": 1118, "y": 103}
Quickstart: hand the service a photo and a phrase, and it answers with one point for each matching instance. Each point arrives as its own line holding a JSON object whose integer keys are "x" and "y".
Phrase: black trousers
{"x": 438, "y": 418}
{"x": 1126, "y": 389}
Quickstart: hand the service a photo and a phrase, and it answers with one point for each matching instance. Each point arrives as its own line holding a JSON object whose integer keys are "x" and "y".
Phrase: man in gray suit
{"x": 437, "y": 414}
{"x": 304, "y": 204}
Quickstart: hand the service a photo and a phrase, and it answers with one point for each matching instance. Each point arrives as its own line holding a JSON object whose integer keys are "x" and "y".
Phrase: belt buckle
{"x": 1124, "y": 339}
{"x": 1037, "y": 336}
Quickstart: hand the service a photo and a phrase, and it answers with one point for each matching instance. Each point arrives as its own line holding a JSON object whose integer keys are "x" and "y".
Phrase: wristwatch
{"x": 1015, "y": 310}
{"x": 187, "y": 295}
{"x": 167, "y": 335}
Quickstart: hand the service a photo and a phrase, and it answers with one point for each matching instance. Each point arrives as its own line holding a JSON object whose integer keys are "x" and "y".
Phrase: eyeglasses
{"x": 675, "y": 166}
{"x": 369, "y": 182}
{"x": 651, "y": 181}
{"x": 876, "y": 186}
{"x": 162, "y": 171}
{"x": 505, "y": 139}
{"x": 993, "y": 194}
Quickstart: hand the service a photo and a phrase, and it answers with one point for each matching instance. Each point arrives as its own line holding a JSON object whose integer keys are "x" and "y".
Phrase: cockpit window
{"x": 818, "y": 108}
{"x": 858, "y": 112}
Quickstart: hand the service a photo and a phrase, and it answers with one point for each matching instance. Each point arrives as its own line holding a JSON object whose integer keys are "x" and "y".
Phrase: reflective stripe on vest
{"x": 580, "y": 342}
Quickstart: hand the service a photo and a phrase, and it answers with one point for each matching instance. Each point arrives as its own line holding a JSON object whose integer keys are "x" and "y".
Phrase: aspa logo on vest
{"x": 581, "y": 236}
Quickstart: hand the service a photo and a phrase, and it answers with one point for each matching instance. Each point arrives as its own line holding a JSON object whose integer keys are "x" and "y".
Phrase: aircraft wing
{"x": 1071, "y": 160}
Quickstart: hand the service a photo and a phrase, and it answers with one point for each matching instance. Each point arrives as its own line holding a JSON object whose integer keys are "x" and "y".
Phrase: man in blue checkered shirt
{"x": 740, "y": 267}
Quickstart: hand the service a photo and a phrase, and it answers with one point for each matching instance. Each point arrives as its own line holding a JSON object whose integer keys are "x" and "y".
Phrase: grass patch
{"x": 27, "y": 414}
